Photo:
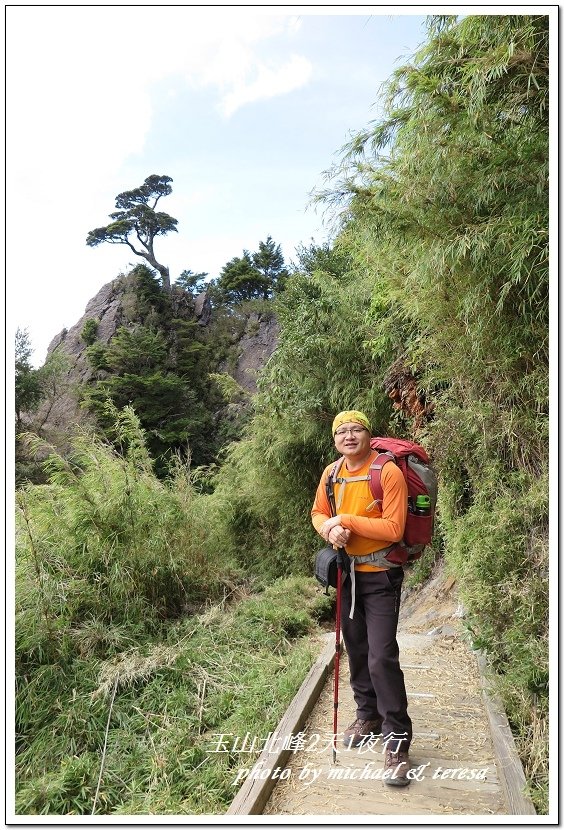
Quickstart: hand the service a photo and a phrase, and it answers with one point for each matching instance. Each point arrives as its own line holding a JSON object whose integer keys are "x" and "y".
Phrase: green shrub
{"x": 90, "y": 330}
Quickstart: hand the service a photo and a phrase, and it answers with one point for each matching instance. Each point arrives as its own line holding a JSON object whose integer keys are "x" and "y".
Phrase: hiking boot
{"x": 399, "y": 763}
{"x": 360, "y": 731}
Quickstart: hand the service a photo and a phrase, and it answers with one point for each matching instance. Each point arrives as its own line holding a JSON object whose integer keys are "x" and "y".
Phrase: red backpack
{"x": 421, "y": 481}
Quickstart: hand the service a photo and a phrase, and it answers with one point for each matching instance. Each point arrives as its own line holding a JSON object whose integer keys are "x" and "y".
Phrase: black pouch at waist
{"x": 326, "y": 567}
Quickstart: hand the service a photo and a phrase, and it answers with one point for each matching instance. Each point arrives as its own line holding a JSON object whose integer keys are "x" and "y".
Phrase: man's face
{"x": 353, "y": 441}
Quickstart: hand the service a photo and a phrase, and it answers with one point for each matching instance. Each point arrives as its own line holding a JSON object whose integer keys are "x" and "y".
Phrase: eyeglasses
{"x": 353, "y": 431}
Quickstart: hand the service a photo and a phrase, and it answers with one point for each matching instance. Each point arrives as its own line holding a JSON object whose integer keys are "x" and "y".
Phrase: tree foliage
{"x": 253, "y": 276}
{"x": 90, "y": 330}
{"x": 158, "y": 364}
{"x": 27, "y": 381}
{"x": 324, "y": 330}
{"x": 138, "y": 223}
{"x": 269, "y": 260}
{"x": 449, "y": 198}
{"x": 240, "y": 280}
{"x": 191, "y": 282}
{"x": 321, "y": 364}
{"x": 36, "y": 393}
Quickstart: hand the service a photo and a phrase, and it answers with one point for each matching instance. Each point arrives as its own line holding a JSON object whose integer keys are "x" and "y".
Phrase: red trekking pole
{"x": 342, "y": 553}
{"x": 337, "y": 659}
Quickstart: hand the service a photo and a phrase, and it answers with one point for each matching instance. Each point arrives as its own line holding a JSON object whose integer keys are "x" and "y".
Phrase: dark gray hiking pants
{"x": 370, "y": 639}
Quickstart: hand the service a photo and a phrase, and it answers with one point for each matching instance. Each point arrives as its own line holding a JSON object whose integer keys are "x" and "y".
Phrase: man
{"x": 369, "y": 614}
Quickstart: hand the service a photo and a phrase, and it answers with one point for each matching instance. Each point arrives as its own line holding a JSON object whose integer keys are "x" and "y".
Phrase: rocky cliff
{"x": 253, "y": 341}
{"x": 253, "y": 348}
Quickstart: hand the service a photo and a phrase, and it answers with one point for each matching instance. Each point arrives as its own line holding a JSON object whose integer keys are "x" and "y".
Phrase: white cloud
{"x": 226, "y": 56}
{"x": 268, "y": 83}
{"x": 80, "y": 78}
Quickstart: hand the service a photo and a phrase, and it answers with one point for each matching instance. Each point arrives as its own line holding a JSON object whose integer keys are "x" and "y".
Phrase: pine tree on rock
{"x": 138, "y": 219}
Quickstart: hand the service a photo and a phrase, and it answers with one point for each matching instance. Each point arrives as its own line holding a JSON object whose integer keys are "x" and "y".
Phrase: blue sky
{"x": 243, "y": 107}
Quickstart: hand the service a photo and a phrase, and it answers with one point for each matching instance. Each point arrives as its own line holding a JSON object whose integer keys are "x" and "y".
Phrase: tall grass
{"x": 107, "y": 548}
{"x": 228, "y": 671}
{"x": 130, "y": 651}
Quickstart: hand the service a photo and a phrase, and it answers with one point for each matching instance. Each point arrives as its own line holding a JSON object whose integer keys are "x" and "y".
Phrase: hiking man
{"x": 371, "y": 591}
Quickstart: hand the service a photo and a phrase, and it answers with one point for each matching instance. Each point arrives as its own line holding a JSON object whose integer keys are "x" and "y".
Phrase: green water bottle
{"x": 422, "y": 506}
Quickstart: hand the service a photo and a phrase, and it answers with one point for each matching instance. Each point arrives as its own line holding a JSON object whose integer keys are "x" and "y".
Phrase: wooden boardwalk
{"x": 465, "y": 759}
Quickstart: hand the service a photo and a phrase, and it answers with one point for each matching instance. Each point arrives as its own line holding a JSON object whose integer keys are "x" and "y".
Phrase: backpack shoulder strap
{"x": 330, "y": 483}
{"x": 375, "y": 474}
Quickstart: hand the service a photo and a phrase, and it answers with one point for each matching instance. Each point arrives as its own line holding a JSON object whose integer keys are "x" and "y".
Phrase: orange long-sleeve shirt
{"x": 373, "y": 526}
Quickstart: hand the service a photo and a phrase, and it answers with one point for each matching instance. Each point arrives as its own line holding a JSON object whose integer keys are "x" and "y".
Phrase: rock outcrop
{"x": 256, "y": 345}
{"x": 61, "y": 412}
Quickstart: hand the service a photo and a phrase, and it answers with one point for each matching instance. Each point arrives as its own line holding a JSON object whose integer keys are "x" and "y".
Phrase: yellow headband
{"x": 350, "y": 416}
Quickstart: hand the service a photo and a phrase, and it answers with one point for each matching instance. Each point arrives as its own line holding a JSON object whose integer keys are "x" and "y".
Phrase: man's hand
{"x": 339, "y": 536}
{"x": 334, "y": 533}
{"x": 328, "y": 525}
